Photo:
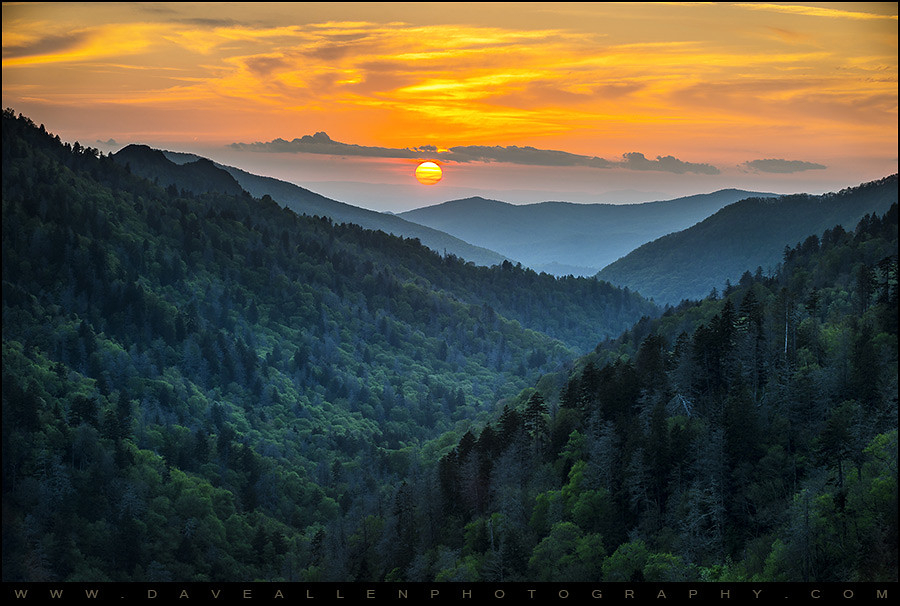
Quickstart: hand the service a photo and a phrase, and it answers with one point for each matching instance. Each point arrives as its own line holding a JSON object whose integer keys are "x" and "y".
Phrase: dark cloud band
{"x": 321, "y": 143}
{"x": 669, "y": 164}
{"x": 777, "y": 165}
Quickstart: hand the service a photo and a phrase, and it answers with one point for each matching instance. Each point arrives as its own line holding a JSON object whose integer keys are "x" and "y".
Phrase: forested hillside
{"x": 305, "y": 202}
{"x": 751, "y": 437}
{"x": 204, "y": 386}
{"x": 747, "y": 234}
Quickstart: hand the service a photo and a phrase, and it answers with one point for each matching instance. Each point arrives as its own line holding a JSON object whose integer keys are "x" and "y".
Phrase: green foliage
{"x": 627, "y": 563}
{"x": 748, "y": 437}
{"x": 204, "y": 386}
{"x": 567, "y": 553}
{"x": 222, "y": 389}
{"x": 872, "y": 504}
{"x": 667, "y": 568}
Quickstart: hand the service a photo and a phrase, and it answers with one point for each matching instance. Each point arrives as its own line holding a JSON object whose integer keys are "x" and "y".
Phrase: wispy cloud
{"x": 777, "y": 165}
{"x": 815, "y": 11}
{"x": 606, "y": 78}
{"x": 55, "y": 45}
{"x": 29, "y": 47}
{"x": 321, "y": 143}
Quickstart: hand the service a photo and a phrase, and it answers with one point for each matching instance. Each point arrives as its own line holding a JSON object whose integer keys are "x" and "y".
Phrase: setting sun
{"x": 429, "y": 173}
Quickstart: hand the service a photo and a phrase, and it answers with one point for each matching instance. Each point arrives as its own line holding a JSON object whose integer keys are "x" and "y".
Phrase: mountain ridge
{"x": 706, "y": 444}
{"x": 589, "y": 236}
{"x": 224, "y": 365}
{"x": 198, "y": 176}
{"x": 305, "y": 201}
{"x": 212, "y": 388}
{"x": 741, "y": 236}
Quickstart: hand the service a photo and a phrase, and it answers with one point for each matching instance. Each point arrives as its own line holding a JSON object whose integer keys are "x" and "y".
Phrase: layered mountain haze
{"x": 563, "y": 238}
{"x": 386, "y": 195}
{"x": 163, "y": 166}
{"x": 742, "y": 236}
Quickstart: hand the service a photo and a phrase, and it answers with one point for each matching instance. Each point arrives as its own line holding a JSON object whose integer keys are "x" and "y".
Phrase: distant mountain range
{"x": 390, "y": 195}
{"x": 198, "y": 174}
{"x": 742, "y": 236}
{"x": 561, "y": 237}
{"x": 600, "y": 305}
{"x": 666, "y": 250}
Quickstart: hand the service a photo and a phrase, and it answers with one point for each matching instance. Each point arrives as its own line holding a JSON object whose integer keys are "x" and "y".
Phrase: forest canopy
{"x": 202, "y": 386}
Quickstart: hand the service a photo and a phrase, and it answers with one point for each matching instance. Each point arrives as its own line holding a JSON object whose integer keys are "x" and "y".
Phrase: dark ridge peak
{"x": 140, "y": 150}
{"x": 198, "y": 176}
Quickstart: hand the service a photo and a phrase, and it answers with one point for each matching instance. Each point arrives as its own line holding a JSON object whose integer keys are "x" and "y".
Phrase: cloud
{"x": 263, "y": 66}
{"x": 669, "y": 164}
{"x": 815, "y": 11}
{"x": 48, "y": 45}
{"x": 255, "y": 68}
{"x": 90, "y": 44}
{"x": 321, "y": 143}
{"x": 777, "y": 165}
{"x": 524, "y": 155}
{"x": 205, "y": 22}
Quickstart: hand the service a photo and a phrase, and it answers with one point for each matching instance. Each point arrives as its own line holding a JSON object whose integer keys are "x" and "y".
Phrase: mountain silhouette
{"x": 198, "y": 176}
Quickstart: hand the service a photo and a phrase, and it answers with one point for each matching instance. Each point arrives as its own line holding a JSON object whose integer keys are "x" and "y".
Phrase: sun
{"x": 429, "y": 173}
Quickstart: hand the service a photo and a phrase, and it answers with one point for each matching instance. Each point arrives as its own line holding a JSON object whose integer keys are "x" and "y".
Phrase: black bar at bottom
{"x": 151, "y": 594}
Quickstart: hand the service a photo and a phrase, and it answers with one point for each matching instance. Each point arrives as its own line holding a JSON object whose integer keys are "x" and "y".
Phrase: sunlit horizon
{"x": 557, "y": 99}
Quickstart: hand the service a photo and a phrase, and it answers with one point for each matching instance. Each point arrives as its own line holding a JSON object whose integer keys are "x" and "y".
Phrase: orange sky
{"x": 713, "y": 84}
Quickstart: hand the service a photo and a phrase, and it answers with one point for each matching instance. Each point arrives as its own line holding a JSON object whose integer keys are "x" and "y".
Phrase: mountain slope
{"x": 749, "y": 438}
{"x": 748, "y": 234}
{"x": 198, "y": 176}
{"x": 579, "y": 312}
{"x": 205, "y": 387}
{"x": 561, "y": 237}
{"x": 305, "y": 202}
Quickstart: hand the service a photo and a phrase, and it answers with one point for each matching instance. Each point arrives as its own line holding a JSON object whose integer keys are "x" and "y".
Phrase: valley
{"x": 206, "y": 379}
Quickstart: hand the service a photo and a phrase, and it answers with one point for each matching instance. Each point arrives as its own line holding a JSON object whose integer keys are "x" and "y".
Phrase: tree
{"x": 865, "y": 368}
{"x": 865, "y": 286}
{"x": 567, "y": 554}
{"x": 872, "y": 506}
{"x": 626, "y": 564}
{"x": 835, "y": 443}
{"x": 667, "y": 568}
{"x": 535, "y": 423}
